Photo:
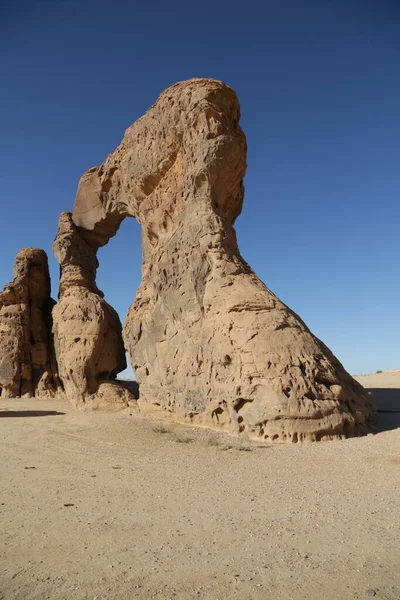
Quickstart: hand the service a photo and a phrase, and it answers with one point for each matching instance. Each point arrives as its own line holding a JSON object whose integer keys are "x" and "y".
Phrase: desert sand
{"x": 118, "y": 506}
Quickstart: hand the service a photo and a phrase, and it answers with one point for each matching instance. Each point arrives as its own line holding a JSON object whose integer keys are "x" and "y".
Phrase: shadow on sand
{"x": 29, "y": 413}
{"x": 387, "y": 401}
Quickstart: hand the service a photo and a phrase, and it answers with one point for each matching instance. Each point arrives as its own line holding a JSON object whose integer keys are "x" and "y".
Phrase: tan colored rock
{"x": 87, "y": 331}
{"x": 27, "y": 364}
{"x": 209, "y": 342}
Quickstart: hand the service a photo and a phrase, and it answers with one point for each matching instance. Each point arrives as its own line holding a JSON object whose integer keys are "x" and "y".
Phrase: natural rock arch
{"x": 209, "y": 342}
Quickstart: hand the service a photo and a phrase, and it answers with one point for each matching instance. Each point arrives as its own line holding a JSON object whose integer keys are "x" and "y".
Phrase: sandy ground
{"x": 118, "y": 507}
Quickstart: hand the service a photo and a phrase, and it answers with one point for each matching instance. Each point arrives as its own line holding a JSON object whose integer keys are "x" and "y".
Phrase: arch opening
{"x": 119, "y": 274}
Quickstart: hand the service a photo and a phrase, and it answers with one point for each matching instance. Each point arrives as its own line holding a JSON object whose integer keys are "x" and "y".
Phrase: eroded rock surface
{"x": 209, "y": 342}
{"x": 87, "y": 331}
{"x": 27, "y": 365}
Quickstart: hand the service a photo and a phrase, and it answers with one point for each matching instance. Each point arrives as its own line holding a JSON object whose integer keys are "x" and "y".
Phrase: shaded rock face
{"x": 27, "y": 364}
{"x": 209, "y": 342}
{"x": 87, "y": 331}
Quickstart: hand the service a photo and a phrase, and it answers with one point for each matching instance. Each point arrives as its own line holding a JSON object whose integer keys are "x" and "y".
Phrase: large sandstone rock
{"x": 209, "y": 342}
{"x": 87, "y": 331}
{"x": 27, "y": 364}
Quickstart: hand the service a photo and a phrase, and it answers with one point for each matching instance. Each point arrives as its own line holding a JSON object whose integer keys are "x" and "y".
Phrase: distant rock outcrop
{"x": 209, "y": 342}
{"x": 27, "y": 365}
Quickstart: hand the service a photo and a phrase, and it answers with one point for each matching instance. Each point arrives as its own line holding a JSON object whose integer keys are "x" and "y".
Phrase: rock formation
{"x": 209, "y": 342}
{"x": 27, "y": 365}
{"x": 87, "y": 331}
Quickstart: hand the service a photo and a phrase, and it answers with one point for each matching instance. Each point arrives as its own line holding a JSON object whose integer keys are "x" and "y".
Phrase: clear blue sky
{"x": 319, "y": 86}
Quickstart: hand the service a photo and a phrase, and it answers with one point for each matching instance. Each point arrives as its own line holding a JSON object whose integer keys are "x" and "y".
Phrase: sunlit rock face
{"x": 209, "y": 342}
{"x": 87, "y": 331}
{"x": 27, "y": 365}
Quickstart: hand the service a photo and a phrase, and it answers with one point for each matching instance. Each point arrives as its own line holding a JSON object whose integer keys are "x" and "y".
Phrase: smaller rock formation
{"x": 27, "y": 362}
{"x": 87, "y": 331}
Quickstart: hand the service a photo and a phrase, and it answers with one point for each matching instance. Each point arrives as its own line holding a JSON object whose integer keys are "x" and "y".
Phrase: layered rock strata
{"x": 27, "y": 365}
{"x": 209, "y": 342}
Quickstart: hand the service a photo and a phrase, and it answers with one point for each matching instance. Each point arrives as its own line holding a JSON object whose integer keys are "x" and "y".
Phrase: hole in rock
{"x": 227, "y": 359}
{"x": 119, "y": 274}
{"x": 217, "y": 413}
{"x": 241, "y": 402}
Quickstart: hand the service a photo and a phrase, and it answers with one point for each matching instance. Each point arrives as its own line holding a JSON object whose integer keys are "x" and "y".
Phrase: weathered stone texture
{"x": 87, "y": 331}
{"x": 27, "y": 365}
{"x": 209, "y": 342}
